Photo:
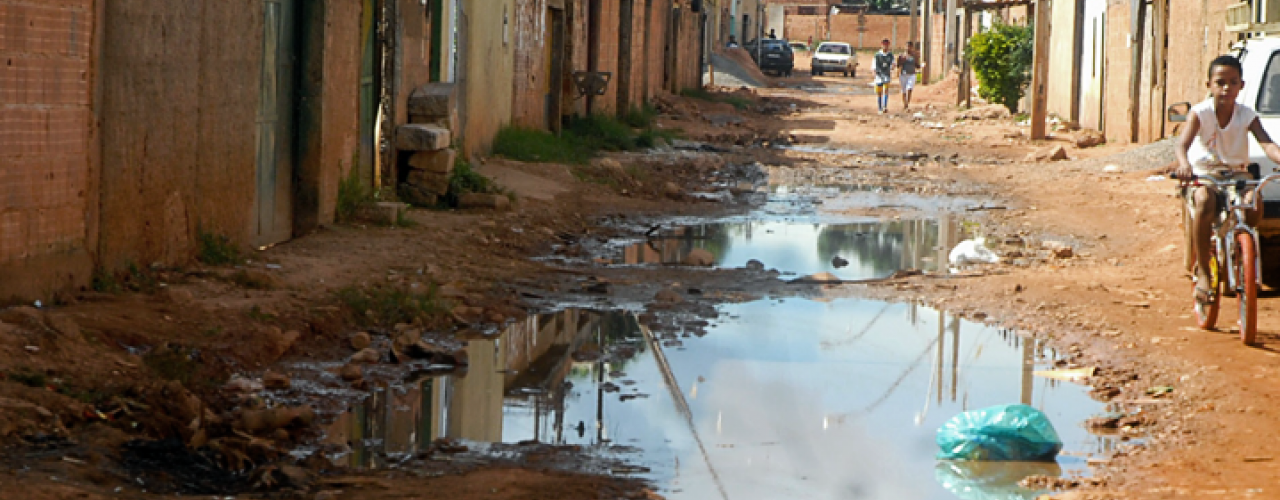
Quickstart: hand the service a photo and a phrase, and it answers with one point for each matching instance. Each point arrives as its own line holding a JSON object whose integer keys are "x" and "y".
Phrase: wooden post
{"x": 915, "y": 21}
{"x": 1040, "y": 71}
{"x": 926, "y": 41}
{"x": 1138, "y": 14}
{"x": 949, "y": 34}
{"x": 1160, "y": 28}
{"x": 965, "y": 95}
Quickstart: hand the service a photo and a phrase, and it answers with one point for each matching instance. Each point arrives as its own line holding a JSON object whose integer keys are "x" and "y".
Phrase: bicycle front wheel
{"x": 1248, "y": 281}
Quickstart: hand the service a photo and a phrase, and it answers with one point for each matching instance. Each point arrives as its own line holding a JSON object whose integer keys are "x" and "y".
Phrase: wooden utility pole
{"x": 915, "y": 21}
{"x": 1138, "y": 13}
{"x": 964, "y": 92}
{"x": 1040, "y": 71}
{"x": 1160, "y": 35}
{"x": 949, "y": 33}
{"x": 926, "y": 40}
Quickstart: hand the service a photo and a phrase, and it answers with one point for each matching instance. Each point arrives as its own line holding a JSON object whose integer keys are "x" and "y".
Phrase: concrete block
{"x": 383, "y": 212}
{"x": 433, "y": 183}
{"x": 416, "y": 195}
{"x": 484, "y": 200}
{"x": 437, "y": 162}
{"x": 418, "y": 137}
{"x": 434, "y": 101}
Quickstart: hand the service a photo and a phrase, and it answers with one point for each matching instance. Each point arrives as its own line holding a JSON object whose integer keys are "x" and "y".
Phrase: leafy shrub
{"x": 1001, "y": 58}
{"x": 218, "y": 250}
{"x": 532, "y": 145}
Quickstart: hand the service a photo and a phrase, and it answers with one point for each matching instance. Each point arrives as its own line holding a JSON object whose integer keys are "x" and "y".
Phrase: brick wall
{"x": 47, "y": 165}
{"x": 844, "y": 28}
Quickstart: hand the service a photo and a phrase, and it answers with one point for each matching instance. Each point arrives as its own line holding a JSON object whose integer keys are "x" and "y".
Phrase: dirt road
{"x": 151, "y": 354}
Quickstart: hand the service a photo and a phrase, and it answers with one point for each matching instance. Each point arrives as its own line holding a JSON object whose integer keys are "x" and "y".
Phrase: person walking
{"x": 908, "y": 64}
{"x": 883, "y": 70}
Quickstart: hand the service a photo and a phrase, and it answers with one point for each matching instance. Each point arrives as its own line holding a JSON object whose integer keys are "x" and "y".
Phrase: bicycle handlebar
{"x": 1201, "y": 180}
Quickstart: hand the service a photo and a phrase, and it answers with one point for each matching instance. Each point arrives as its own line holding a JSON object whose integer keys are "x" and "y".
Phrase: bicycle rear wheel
{"x": 1248, "y": 293}
{"x": 1207, "y": 314}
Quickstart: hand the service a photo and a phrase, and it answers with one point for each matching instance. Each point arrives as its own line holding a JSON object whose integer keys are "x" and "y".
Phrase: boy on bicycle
{"x": 1215, "y": 144}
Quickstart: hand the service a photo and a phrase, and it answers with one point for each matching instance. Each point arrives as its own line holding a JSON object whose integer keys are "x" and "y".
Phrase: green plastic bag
{"x": 1006, "y": 432}
{"x": 992, "y": 480}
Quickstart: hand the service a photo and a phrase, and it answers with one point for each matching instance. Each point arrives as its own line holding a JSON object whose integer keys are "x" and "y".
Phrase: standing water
{"x": 783, "y": 397}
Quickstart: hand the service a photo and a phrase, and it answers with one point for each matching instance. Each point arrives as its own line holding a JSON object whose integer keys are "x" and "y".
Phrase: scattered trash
{"x": 274, "y": 266}
{"x": 1156, "y": 178}
{"x": 39, "y": 304}
{"x": 998, "y": 433}
{"x": 972, "y": 252}
{"x": 1159, "y": 390}
{"x": 32, "y": 349}
{"x": 1073, "y": 375}
{"x": 1111, "y": 169}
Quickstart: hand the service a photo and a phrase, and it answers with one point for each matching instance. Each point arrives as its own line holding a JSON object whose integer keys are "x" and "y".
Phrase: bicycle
{"x": 1234, "y": 247}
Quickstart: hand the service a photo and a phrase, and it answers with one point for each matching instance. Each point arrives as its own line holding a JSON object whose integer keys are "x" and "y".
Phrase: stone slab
{"x": 437, "y": 162}
{"x": 419, "y": 137}
{"x": 434, "y": 101}
{"x": 433, "y": 183}
{"x": 485, "y": 201}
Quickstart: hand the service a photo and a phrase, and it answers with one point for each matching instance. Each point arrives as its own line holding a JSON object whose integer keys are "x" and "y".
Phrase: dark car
{"x": 774, "y": 55}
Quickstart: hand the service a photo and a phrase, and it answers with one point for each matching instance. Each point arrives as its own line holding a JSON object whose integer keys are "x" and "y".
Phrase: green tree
{"x": 1001, "y": 58}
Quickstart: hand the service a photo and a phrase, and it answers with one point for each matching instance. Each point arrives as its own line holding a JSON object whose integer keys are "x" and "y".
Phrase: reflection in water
{"x": 513, "y": 390}
{"x": 992, "y": 480}
{"x": 871, "y": 249}
{"x": 797, "y": 398}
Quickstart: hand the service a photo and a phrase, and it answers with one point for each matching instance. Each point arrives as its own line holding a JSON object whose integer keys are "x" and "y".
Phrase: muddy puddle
{"x": 870, "y": 248}
{"x": 783, "y": 397}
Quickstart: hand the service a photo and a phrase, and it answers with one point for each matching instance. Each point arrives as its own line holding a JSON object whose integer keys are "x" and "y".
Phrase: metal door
{"x": 276, "y": 114}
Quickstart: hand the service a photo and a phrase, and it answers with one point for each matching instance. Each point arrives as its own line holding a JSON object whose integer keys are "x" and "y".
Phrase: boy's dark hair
{"x": 1226, "y": 61}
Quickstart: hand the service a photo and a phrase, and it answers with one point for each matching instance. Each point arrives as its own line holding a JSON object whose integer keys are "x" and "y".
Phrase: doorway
{"x": 277, "y": 116}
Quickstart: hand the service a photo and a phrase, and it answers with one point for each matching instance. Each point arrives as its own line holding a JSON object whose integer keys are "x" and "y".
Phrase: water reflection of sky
{"x": 811, "y": 400}
{"x": 872, "y": 249}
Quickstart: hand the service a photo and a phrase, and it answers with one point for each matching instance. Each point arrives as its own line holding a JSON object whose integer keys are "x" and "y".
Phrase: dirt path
{"x": 149, "y": 354}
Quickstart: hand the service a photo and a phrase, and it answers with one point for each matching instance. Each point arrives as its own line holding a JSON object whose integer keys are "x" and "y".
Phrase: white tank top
{"x": 1217, "y": 146}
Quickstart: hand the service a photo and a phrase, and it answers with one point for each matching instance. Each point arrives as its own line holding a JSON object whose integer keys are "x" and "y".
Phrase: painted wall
{"x": 488, "y": 43}
{"x": 48, "y": 166}
{"x": 1196, "y": 37}
{"x": 1063, "y": 89}
{"x": 844, "y": 28}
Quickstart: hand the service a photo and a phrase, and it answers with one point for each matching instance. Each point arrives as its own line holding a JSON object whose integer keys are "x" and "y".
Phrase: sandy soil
{"x": 149, "y": 356}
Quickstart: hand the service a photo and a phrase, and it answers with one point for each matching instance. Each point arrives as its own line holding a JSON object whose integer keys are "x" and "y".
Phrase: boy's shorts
{"x": 880, "y": 80}
{"x": 908, "y": 81}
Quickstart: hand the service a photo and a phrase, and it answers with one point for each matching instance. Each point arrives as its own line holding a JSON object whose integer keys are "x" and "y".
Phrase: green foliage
{"x": 218, "y": 250}
{"x": 387, "y": 306}
{"x": 28, "y": 377}
{"x": 105, "y": 282}
{"x": 173, "y": 363}
{"x": 1001, "y": 58}
{"x": 641, "y": 117}
{"x": 352, "y": 193}
{"x": 601, "y": 132}
{"x": 462, "y": 180}
{"x": 532, "y": 145}
{"x": 738, "y": 102}
{"x": 257, "y": 314}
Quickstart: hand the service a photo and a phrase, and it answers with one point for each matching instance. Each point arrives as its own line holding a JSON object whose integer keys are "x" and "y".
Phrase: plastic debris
{"x": 972, "y": 252}
{"x": 997, "y": 433}
{"x": 991, "y": 480}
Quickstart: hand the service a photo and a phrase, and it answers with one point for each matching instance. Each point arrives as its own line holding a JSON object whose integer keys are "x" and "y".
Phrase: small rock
{"x": 699, "y": 257}
{"x": 755, "y": 265}
{"x": 839, "y": 262}
{"x": 668, "y": 297}
{"x": 1087, "y": 138}
{"x": 273, "y": 380}
{"x": 367, "y": 355}
{"x": 242, "y": 385}
{"x": 671, "y": 189}
{"x": 609, "y": 164}
{"x": 1063, "y": 253}
{"x": 351, "y": 372}
{"x": 361, "y": 341}
{"x": 177, "y": 296}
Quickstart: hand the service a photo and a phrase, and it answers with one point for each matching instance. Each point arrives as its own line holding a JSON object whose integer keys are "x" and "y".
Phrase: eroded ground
{"x": 235, "y": 380}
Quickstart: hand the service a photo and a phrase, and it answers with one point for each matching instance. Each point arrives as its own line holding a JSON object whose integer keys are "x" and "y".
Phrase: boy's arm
{"x": 1264, "y": 140}
{"x": 1184, "y": 143}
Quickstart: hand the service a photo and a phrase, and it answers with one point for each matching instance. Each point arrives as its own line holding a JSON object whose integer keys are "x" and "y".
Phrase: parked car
{"x": 799, "y": 47}
{"x": 774, "y": 55}
{"x": 834, "y": 57}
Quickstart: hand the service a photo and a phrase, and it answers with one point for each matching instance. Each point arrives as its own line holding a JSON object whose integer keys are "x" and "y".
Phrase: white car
{"x": 834, "y": 57}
